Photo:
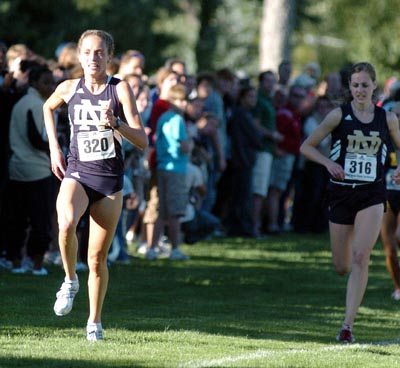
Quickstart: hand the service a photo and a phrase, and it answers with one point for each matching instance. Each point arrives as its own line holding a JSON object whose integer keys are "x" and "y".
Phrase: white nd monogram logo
{"x": 87, "y": 114}
{"x": 359, "y": 143}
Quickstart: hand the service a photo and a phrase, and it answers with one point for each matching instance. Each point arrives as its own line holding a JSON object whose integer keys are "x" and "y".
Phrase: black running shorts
{"x": 393, "y": 197}
{"x": 344, "y": 202}
{"x": 97, "y": 186}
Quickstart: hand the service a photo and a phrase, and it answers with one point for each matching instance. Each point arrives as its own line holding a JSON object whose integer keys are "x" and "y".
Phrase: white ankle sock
{"x": 346, "y": 327}
{"x": 93, "y": 326}
{"x": 72, "y": 281}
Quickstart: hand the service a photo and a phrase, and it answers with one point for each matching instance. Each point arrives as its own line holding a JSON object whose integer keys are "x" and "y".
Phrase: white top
{"x": 27, "y": 163}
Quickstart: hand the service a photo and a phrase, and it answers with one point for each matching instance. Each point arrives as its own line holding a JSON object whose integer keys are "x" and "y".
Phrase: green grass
{"x": 237, "y": 303}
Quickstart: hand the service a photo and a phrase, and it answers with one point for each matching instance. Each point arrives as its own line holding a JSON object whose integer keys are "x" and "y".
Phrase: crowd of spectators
{"x": 223, "y": 159}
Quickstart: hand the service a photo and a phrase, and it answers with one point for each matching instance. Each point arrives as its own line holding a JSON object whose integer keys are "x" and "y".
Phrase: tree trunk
{"x": 207, "y": 34}
{"x": 275, "y": 31}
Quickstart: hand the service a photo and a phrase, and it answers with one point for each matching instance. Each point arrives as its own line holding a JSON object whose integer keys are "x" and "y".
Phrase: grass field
{"x": 275, "y": 302}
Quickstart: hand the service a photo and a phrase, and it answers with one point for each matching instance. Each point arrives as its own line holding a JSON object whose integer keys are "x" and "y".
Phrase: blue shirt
{"x": 171, "y": 130}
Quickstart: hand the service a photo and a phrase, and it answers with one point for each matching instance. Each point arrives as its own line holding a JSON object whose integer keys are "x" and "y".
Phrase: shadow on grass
{"x": 289, "y": 301}
{"x": 283, "y": 290}
{"x": 57, "y": 363}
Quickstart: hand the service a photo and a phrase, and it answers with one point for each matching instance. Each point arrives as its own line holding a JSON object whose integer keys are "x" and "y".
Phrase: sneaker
{"x": 163, "y": 248}
{"x": 53, "y": 258}
{"x": 130, "y": 236}
{"x": 65, "y": 297}
{"x": 163, "y": 252}
{"x": 142, "y": 248}
{"x": 19, "y": 270}
{"x": 41, "y": 272}
{"x": 94, "y": 332}
{"x": 123, "y": 258}
{"x": 163, "y": 242}
{"x": 396, "y": 294}
{"x": 273, "y": 229}
{"x": 177, "y": 255}
{"x": 345, "y": 335}
{"x": 4, "y": 263}
{"x": 151, "y": 254}
{"x": 80, "y": 266}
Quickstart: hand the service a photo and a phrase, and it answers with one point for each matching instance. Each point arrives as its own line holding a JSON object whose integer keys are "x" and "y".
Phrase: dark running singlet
{"x": 393, "y": 190}
{"x": 390, "y": 167}
{"x": 94, "y": 148}
{"x": 360, "y": 148}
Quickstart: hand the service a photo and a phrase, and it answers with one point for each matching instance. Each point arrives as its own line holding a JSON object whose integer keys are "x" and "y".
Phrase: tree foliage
{"x": 44, "y": 24}
{"x": 207, "y": 34}
{"x": 210, "y": 34}
{"x": 238, "y": 35}
{"x": 352, "y": 31}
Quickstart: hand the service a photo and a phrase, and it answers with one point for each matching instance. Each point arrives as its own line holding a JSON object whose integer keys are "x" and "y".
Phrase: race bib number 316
{"x": 96, "y": 145}
{"x": 360, "y": 167}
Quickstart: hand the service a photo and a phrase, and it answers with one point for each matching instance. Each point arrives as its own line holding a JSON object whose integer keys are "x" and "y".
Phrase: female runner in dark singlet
{"x": 356, "y": 194}
{"x": 101, "y": 111}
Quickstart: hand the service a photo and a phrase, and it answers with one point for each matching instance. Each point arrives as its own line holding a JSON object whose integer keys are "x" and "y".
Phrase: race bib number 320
{"x": 360, "y": 167}
{"x": 96, "y": 145}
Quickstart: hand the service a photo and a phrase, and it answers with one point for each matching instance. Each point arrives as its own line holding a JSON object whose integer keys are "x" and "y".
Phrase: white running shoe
{"x": 94, "y": 333}
{"x": 130, "y": 236}
{"x": 177, "y": 255}
{"x": 65, "y": 297}
{"x": 396, "y": 294}
{"x": 142, "y": 248}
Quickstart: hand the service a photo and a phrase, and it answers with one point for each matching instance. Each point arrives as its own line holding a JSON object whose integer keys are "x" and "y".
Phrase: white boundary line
{"x": 259, "y": 354}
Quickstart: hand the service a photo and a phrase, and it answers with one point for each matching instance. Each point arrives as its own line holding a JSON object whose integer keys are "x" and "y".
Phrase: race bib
{"x": 360, "y": 167}
{"x": 390, "y": 184}
{"x": 96, "y": 145}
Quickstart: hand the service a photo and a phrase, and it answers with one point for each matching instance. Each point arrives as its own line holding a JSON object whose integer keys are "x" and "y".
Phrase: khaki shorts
{"x": 173, "y": 194}
{"x": 262, "y": 173}
{"x": 282, "y": 168}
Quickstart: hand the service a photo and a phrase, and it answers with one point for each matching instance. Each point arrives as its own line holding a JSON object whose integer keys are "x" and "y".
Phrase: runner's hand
{"x": 335, "y": 170}
{"x": 58, "y": 164}
{"x": 396, "y": 176}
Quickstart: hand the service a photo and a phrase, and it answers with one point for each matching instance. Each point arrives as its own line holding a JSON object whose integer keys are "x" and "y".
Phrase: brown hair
{"x": 357, "y": 68}
{"x": 162, "y": 75}
{"x": 105, "y": 36}
{"x": 68, "y": 57}
{"x": 363, "y": 67}
{"x": 129, "y": 54}
{"x": 177, "y": 92}
{"x": 227, "y": 74}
